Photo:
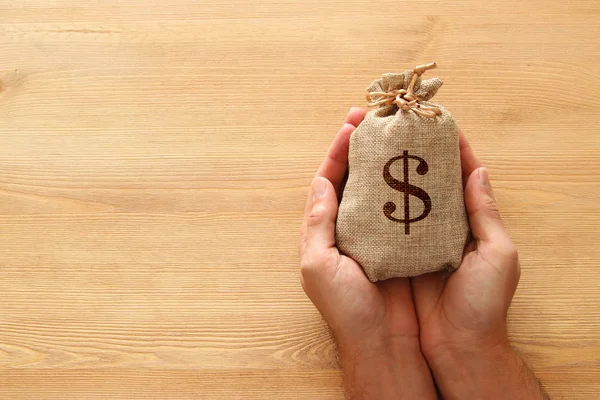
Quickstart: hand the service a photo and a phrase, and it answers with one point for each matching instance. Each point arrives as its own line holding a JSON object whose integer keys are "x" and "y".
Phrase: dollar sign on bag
{"x": 407, "y": 189}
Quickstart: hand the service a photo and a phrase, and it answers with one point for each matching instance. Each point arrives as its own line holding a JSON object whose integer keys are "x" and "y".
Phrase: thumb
{"x": 484, "y": 216}
{"x": 320, "y": 218}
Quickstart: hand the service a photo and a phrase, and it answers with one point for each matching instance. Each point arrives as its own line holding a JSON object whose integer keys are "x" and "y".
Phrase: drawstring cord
{"x": 406, "y": 99}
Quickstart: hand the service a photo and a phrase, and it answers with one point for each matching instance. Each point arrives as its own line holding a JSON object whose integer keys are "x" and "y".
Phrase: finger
{"x": 399, "y": 290}
{"x": 427, "y": 290}
{"x": 335, "y": 165}
{"x": 484, "y": 217}
{"x": 307, "y": 208}
{"x": 320, "y": 219}
{"x": 355, "y": 116}
{"x": 468, "y": 160}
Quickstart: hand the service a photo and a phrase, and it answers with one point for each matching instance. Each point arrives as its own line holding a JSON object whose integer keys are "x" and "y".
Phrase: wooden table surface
{"x": 154, "y": 161}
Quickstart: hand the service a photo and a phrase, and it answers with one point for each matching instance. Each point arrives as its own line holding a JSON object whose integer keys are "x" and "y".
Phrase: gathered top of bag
{"x": 406, "y": 91}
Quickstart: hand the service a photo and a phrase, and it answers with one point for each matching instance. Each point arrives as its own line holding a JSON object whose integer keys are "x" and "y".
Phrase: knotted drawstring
{"x": 406, "y": 99}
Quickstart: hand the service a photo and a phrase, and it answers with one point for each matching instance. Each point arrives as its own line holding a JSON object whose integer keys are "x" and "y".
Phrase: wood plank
{"x": 154, "y": 160}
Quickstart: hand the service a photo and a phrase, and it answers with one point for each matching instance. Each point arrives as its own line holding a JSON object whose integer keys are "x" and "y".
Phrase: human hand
{"x": 462, "y": 316}
{"x": 374, "y": 325}
{"x": 469, "y": 306}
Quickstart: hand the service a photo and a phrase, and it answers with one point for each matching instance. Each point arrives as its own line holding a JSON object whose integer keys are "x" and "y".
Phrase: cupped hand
{"x": 462, "y": 317}
{"x": 354, "y": 308}
{"x": 468, "y": 308}
{"x": 375, "y": 325}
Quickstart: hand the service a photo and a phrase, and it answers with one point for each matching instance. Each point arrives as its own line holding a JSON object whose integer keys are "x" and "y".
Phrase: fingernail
{"x": 319, "y": 187}
{"x": 484, "y": 178}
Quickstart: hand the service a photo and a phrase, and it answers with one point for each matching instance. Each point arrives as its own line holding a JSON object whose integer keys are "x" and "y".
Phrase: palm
{"x": 468, "y": 297}
{"x": 384, "y": 305}
{"x": 469, "y": 303}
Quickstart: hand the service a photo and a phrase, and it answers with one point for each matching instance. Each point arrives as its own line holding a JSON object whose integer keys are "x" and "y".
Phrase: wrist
{"x": 467, "y": 348}
{"x": 489, "y": 369}
{"x": 385, "y": 370}
{"x": 469, "y": 371}
{"x": 376, "y": 343}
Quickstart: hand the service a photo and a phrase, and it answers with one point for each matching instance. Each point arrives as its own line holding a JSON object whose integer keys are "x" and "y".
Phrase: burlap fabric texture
{"x": 402, "y": 211}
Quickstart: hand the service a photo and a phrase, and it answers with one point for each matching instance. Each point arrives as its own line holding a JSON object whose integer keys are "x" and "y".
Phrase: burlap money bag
{"x": 402, "y": 211}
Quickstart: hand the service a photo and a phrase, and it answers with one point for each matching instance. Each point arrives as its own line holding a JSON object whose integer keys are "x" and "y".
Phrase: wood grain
{"x": 154, "y": 159}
